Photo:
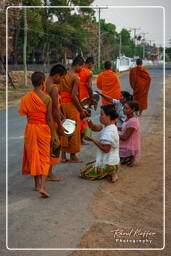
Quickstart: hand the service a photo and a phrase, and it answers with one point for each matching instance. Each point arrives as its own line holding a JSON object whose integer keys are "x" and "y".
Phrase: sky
{"x": 149, "y": 20}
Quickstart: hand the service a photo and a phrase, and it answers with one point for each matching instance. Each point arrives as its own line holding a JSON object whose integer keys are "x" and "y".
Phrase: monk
{"x": 72, "y": 109}
{"x": 108, "y": 82}
{"x": 52, "y": 83}
{"x": 140, "y": 83}
{"x": 86, "y": 76}
{"x": 37, "y": 106}
{"x": 85, "y": 89}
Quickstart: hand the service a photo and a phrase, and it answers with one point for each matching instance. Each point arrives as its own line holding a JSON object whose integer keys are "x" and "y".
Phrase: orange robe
{"x": 70, "y": 144}
{"x": 84, "y": 76}
{"x": 36, "y": 160}
{"x": 53, "y": 160}
{"x": 140, "y": 82}
{"x": 109, "y": 83}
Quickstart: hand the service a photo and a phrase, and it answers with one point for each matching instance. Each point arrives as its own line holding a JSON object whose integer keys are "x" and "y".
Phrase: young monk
{"x": 85, "y": 90}
{"x": 57, "y": 72}
{"x": 107, "y": 156}
{"x": 38, "y": 108}
{"x": 140, "y": 83}
{"x": 72, "y": 109}
{"x": 108, "y": 82}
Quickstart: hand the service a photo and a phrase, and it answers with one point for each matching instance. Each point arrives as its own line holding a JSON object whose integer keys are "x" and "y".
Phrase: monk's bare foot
{"x": 44, "y": 193}
{"x": 54, "y": 178}
{"x": 37, "y": 188}
{"x": 75, "y": 160}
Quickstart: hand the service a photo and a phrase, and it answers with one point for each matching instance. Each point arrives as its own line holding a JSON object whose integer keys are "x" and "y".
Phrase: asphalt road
{"x": 61, "y": 220}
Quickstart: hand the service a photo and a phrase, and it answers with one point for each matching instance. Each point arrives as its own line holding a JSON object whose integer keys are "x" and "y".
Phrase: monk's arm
{"x": 74, "y": 95}
{"x": 127, "y": 134}
{"x": 99, "y": 82}
{"x": 55, "y": 110}
{"x": 50, "y": 117}
{"x": 106, "y": 97}
{"x": 89, "y": 85}
{"x": 131, "y": 79}
{"x": 104, "y": 147}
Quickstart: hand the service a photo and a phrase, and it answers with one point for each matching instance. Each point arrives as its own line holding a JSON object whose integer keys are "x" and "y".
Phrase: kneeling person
{"x": 107, "y": 157}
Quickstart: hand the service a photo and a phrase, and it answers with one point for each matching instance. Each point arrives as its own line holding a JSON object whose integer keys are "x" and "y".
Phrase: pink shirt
{"x": 132, "y": 145}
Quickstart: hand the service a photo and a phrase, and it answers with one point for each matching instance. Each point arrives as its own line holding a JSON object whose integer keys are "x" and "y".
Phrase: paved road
{"x": 62, "y": 220}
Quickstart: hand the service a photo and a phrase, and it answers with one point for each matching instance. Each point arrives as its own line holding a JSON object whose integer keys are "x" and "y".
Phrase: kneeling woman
{"x": 107, "y": 157}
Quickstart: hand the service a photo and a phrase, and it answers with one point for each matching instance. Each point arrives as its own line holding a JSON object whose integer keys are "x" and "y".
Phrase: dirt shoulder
{"x": 136, "y": 200}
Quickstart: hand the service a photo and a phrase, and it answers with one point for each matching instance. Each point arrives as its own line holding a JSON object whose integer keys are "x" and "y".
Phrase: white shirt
{"x": 109, "y": 135}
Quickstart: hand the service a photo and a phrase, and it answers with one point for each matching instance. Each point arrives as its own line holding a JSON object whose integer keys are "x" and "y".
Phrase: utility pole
{"x": 143, "y": 34}
{"x": 99, "y": 43}
{"x": 120, "y": 45}
{"x": 150, "y": 46}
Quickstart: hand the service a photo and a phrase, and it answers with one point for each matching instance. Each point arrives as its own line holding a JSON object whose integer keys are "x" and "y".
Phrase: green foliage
{"x": 55, "y": 33}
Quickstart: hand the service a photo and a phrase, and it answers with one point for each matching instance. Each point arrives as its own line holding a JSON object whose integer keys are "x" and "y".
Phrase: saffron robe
{"x": 36, "y": 159}
{"x": 140, "y": 83}
{"x": 84, "y": 76}
{"x": 54, "y": 158}
{"x": 109, "y": 83}
{"x": 70, "y": 144}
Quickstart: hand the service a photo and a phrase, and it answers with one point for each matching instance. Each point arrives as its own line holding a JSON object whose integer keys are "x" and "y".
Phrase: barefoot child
{"x": 130, "y": 136}
{"x": 107, "y": 157}
{"x": 38, "y": 108}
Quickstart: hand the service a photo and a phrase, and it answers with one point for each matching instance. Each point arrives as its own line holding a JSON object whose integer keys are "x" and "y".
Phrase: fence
{"x": 124, "y": 63}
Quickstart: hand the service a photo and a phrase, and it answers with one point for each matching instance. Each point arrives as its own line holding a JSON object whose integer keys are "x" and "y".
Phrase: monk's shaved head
{"x": 107, "y": 65}
{"x": 37, "y": 78}
{"x": 139, "y": 61}
{"x": 89, "y": 60}
{"x": 78, "y": 61}
{"x": 58, "y": 69}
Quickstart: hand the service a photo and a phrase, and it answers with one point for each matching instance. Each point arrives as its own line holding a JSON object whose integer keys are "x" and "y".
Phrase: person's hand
{"x": 89, "y": 138}
{"x": 98, "y": 92}
{"x": 93, "y": 101}
{"x": 62, "y": 130}
{"x": 53, "y": 140}
{"x": 83, "y": 114}
{"x": 119, "y": 128}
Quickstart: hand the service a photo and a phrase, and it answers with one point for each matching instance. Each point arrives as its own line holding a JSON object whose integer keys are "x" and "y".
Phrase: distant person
{"x": 37, "y": 106}
{"x": 72, "y": 109}
{"x": 52, "y": 87}
{"x": 107, "y": 156}
{"x": 108, "y": 82}
{"x": 140, "y": 83}
{"x": 129, "y": 148}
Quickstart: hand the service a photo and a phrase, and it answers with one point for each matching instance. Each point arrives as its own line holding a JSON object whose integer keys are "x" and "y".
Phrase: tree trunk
{"x": 9, "y": 77}
{"x": 25, "y": 48}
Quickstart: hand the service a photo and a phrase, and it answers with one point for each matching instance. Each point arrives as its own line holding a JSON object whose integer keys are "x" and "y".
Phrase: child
{"x": 130, "y": 136}
{"x": 107, "y": 157}
{"x": 38, "y": 108}
{"x": 125, "y": 96}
